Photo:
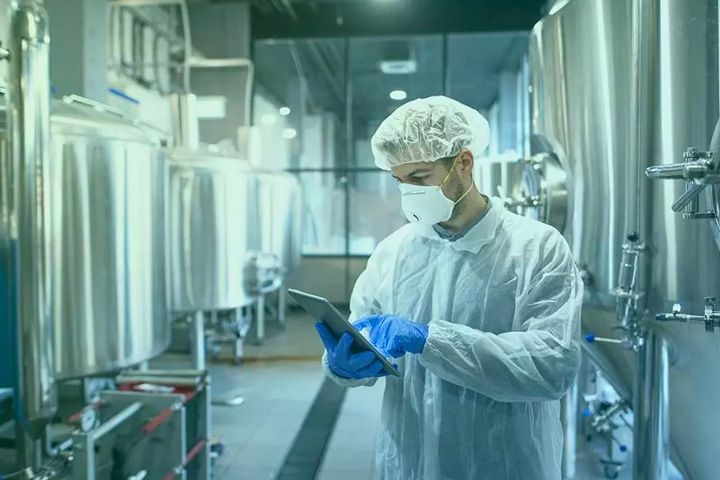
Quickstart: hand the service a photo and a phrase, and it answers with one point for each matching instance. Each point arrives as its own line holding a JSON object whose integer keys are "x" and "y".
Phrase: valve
{"x": 698, "y": 170}
{"x": 710, "y": 317}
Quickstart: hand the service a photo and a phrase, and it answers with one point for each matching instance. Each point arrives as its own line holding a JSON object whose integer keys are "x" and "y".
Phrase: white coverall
{"x": 503, "y": 306}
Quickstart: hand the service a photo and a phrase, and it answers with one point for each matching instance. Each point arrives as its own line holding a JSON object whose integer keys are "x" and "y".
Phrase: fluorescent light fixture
{"x": 398, "y": 95}
{"x": 268, "y": 119}
{"x": 289, "y": 133}
{"x": 285, "y": 111}
{"x": 398, "y": 67}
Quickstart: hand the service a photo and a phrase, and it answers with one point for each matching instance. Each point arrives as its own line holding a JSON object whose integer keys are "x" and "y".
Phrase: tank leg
{"x": 282, "y": 305}
{"x": 260, "y": 319}
{"x": 651, "y": 433}
{"x": 197, "y": 346}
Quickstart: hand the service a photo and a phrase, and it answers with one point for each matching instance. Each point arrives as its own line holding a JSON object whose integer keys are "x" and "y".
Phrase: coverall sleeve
{"x": 536, "y": 362}
{"x": 362, "y": 304}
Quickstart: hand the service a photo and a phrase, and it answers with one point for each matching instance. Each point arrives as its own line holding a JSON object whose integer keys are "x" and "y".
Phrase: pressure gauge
{"x": 88, "y": 420}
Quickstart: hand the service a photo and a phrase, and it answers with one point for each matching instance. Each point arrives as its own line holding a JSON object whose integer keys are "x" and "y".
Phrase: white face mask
{"x": 428, "y": 205}
{"x": 425, "y": 205}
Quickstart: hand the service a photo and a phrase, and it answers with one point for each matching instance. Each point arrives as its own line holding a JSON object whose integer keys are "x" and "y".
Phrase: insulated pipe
{"x": 26, "y": 232}
{"x": 651, "y": 432}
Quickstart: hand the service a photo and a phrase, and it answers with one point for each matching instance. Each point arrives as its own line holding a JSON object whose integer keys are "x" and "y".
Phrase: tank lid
{"x": 97, "y": 119}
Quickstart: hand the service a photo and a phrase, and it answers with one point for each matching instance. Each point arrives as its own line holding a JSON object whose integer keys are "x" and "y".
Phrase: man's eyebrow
{"x": 419, "y": 170}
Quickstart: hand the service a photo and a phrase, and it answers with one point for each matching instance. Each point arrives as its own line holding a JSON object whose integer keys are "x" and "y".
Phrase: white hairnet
{"x": 428, "y": 129}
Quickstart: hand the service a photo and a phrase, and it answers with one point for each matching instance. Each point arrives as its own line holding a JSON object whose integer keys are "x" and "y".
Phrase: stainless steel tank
{"x": 582, "y": 92}
{"x": 280, "y": 206}
{"x": 108, "y": 197}
{"x": 214, "y": 230}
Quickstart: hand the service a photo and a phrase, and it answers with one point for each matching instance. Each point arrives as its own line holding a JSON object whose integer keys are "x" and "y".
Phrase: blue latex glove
{"x": 345, "y": 364}
{"x": 395, "y": 336}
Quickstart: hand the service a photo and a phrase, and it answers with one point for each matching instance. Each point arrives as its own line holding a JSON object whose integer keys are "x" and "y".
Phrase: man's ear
{"x": 465, "y": 163}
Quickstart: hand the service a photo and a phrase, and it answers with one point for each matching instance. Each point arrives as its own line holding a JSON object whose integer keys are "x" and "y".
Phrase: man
{"x": 481, "y": 308}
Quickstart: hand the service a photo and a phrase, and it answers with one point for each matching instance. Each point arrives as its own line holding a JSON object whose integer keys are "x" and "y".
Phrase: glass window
{"x": 324, "y": 225}
{"x": 375, "y": 210}
{"x": 300, "y": 102}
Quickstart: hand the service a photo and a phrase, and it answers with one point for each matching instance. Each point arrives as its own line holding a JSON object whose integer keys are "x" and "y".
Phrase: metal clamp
{"x": 711, "y": 317}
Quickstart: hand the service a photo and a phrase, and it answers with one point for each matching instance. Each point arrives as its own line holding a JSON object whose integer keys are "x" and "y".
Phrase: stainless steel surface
{"x": 539, "y": 190}
{"x": 108, "y": 188}
{"x": 280, "y": 203}
{"x": 25, "y": 221}
{"x": 651, "y": 435}
{"x": 214, "y": 229}
{"x": 582, "y": 94}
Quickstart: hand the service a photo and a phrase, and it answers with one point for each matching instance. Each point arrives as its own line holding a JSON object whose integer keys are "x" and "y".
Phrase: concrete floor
{"x": 278, "y": 395}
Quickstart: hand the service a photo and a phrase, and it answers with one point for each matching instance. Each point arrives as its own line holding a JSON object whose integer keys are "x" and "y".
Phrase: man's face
{"x": 433, "y": 174}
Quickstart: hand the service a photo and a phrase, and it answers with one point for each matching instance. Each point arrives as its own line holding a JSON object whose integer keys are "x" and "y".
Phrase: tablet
{"x": 324, "y": 311}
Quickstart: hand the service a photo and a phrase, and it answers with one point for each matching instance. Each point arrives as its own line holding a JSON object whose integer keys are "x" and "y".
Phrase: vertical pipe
{"x": 197, "y": 346}
{"x": 645, "y": 56}
{"x": 282, "y": 305}
{"x": 651, "y": 433}
{"x": 568, "y": 413}
{"x": 27, "y": 228}
{"x": 261, "y": 318}
{"x": 186, "y": 128}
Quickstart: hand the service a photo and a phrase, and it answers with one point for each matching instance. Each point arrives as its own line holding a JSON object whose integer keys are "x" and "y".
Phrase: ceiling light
{"x": 289, "y": 133}
{"x": 285, "y": 111}
{"x": 268, "y": 119}
{"x": 398, "y": 95}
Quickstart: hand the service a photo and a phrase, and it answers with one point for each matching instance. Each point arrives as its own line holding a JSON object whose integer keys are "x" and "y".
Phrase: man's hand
{"x": 345, "y": 364}
{"x": 394, "y": 336}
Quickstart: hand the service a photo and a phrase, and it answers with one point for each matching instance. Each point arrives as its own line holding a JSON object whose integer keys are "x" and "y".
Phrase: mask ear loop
{"x": 448, "y": 176}
{"x": 465, "y": 194}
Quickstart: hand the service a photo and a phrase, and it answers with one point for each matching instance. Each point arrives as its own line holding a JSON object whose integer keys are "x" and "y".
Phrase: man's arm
{"x": 537, "y": 363}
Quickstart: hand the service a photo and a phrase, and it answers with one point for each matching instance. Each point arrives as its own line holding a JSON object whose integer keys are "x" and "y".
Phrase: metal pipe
{"x": 569, "y": 415}
{"x": 197, "y": 344}
{"x": 170, "y": 381}
{"x": 651, "y": 433}
{"x": 164, "y": 373}
{"x": 186, "y": 129}
{"x": 691, "y": 194}
{"x": 196, "y": 62}
{"x": 28, "y": 224}
{"x": 116, "y": 421}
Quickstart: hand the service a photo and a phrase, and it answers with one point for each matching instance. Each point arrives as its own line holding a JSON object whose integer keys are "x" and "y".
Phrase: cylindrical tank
{"x": 280, "y": 206}
{"x": 214, "y": 230}
{"x": 108, "y": 197}
{"x": 582, "y": 93}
